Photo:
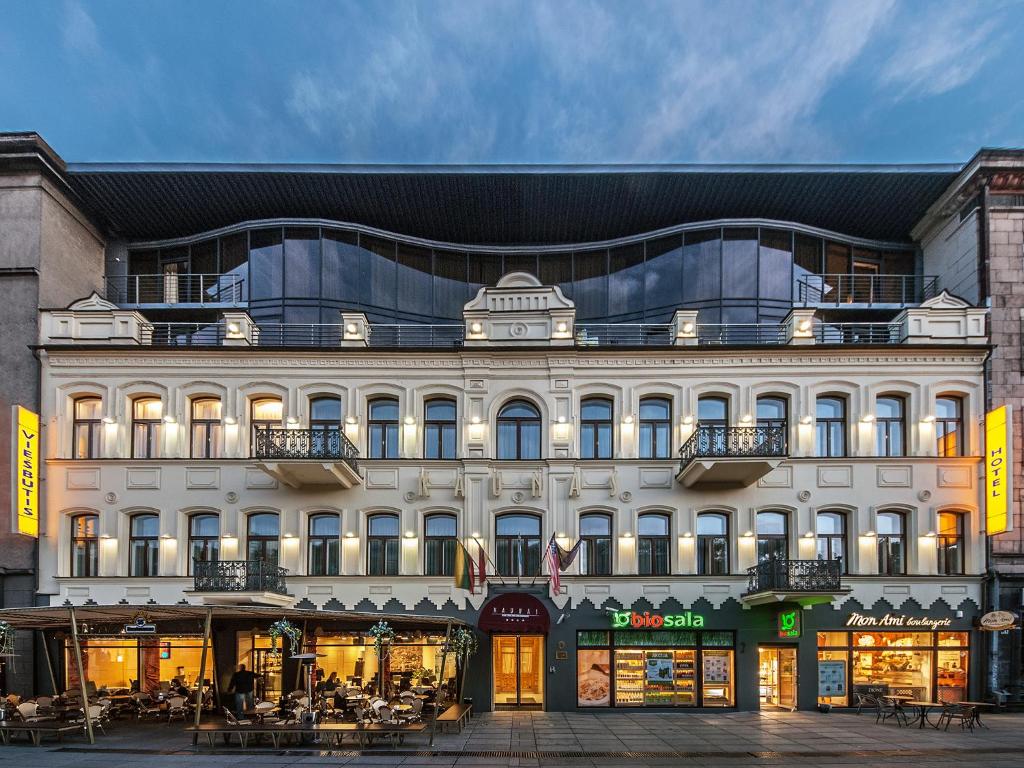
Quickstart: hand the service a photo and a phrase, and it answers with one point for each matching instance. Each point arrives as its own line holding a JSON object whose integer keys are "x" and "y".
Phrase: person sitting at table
{"x": 330, "y": 685}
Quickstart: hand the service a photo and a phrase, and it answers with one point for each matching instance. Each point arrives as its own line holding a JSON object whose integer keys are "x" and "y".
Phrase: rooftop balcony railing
{"x": 836, "y": 290}
{"x": 714, "y": 334}
{"x": 781, "y": 575}
{"x": 238, "y": 576}
{"x": 282, "y": 443}
{"x": 858, "y": 333}
{"x": 183, "y": 334}
{"x": 168, "y": 290}
{"x": 716, "y": 442}
{"x": 624, "y": 334}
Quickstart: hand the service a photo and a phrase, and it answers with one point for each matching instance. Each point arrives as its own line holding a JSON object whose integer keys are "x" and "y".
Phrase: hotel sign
{"x": 998, "y": 470}
{"x": 648, "y": 620}
{"x": 897, "y": 620}
{"x": 25, "y": 463}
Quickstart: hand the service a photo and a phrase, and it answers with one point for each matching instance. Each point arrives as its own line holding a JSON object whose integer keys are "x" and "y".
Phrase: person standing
{"x": 242, "y": 684}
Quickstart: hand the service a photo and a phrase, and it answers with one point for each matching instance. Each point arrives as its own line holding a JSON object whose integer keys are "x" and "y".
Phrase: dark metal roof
{"x": 508, "y": 205}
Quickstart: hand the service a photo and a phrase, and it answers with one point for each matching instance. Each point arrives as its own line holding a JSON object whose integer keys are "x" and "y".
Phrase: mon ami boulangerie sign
{"x": 896, "y": 621}
{"x": 648, "y": 620}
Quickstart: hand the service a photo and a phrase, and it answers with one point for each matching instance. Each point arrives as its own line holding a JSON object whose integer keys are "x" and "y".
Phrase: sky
{"x": 570, "y": 81}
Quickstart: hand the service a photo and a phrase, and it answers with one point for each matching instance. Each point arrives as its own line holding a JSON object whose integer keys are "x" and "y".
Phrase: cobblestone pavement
{"x": 581, "y": 739}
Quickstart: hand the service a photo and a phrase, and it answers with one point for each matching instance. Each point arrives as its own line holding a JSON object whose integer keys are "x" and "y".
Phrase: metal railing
{"x": 298, "y": 335}
{"x": 712, "y": 334}
{"x": 182, "y": 334}
{"x": 238, "y": 576}
{"x": 176, "y": 288}
{"x": 624, "y": 334}
{"x": 893, "y": 290}
{"x": 780, "y": 575}
{"x": 712, "y": 441}
{"x": 276, "y": 443}
{"x": 407, "y": 335}
{"x": 858, "y": 333}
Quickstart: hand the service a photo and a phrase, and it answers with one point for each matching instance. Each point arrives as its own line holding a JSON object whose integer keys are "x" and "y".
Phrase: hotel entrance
{"x": 518, "y": 669}
{"x": 777, "y": 677}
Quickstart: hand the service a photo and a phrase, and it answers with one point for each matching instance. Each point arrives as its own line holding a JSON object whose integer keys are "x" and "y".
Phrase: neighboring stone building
{"x": 973, "y": 235}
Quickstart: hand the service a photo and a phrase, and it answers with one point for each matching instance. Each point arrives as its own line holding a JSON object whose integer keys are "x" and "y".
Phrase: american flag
{"x": 559, "y": 560}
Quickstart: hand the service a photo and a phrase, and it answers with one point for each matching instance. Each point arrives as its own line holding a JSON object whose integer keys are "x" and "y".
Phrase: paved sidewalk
{"x": 582, "y": 739}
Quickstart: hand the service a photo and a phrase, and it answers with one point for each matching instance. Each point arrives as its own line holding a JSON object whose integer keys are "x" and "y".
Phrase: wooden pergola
{"x": 70, "y": 618}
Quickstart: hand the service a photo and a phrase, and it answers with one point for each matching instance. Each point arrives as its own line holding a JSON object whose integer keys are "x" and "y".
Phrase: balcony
{"x": 187, "y": 291}
{"x": 301, "y": 458}
{"x": 240, "y": 582}
{"x": 865, "y": 291}
{"x": 806, "y": 582}
{"x": 730, "y": 457}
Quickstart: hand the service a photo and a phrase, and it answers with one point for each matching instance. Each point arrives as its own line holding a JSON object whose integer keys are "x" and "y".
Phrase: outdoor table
{"x": 922, "y": 708}
{"x": 401, "y": 707}
{"x": 977, "y": 714}
{"x": 260, "y": 714}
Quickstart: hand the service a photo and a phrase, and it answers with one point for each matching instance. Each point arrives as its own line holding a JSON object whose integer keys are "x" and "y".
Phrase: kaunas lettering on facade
{"x": 895, "y": 620}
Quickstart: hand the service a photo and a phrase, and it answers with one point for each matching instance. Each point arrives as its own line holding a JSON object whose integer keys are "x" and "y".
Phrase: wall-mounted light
{"x": 475, "y": 535}
{"x": 687, "y": 535}
{"x": 351, "y": 420}
{"x": 104, "y": 535}
{"x": 929, "y": 418}
{"x": 809, "y": 535}
{"x": 475, "y": 420}
{"x": 234, "y": 329}
{"x": 804, "y": 325}
{"x": 627, "y": 535}
{"x": 931, "y": 534}
{"x": 349, "y": 535}
{"x": 230, "y": 420}
{"x": 806, "y": 419}
{"x": 688, "y": 328}
{"x": 168, "y": 419}
{"x": 867, "y": 418}
{"x": 476, "y": 328}
{"x": 561, "y": 419}
{"x": 289, "y": 535}
{"x": 687, "y": 420}
{"x": 561, "y": 328}
{"x": 747, "y": 418}
{"x": 108, "y": 419}
{"x": 748, "y": 534}
{"x": 869, "y": 534}
{"x": 351, "y": 328}
{"x": 410, "y": 534}
{"x": 292, "y": 420}
{"x": 627, "y": 419}
{"x": 410, "y": 421}
{"x": 560, "y": 535}
{"x": 228, "y": 536}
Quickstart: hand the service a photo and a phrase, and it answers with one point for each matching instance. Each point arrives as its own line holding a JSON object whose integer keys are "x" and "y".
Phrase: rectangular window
{"x": 653, "y": 555}
{"x": 382, "y": 556}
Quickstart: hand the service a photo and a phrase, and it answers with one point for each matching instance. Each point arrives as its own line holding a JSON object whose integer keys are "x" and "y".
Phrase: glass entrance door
{"x": 518, "y": 671}
{"x": 777, "y": 677}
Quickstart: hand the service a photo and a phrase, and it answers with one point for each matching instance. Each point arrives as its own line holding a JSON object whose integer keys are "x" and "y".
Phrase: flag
{"x": 559, "y": 560}
{"x": 567, "y": 556}
{"x": 463, "y": 571}
{"x": 481, "y": 568}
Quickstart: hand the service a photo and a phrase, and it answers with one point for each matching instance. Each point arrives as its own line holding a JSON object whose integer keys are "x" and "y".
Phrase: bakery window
{"x": 930, "y": 666}
{"x": 658, "y": 668}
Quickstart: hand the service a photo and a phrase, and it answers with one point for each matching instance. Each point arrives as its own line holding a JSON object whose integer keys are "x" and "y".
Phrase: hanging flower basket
{"x": 281, "y": 629}
{"x": 382, "y": 635}
{"x": 463, "y": 643}
{"x": 6, "y": 639}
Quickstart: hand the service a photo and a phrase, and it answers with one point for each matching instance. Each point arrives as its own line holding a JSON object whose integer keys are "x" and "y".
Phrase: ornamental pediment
{"x": 519, "y": 292}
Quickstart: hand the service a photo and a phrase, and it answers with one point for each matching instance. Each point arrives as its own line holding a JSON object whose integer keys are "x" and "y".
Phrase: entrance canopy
{"x": 516, "y": 612}
{"x": 59, "y": 616}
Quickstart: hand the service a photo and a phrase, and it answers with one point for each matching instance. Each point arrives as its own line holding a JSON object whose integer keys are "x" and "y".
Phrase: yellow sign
{"x": 998, "y": 471}
{"x": 26, "y": 471}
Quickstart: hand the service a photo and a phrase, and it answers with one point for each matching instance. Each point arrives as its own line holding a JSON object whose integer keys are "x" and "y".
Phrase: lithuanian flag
{"x": 463, "y": 572}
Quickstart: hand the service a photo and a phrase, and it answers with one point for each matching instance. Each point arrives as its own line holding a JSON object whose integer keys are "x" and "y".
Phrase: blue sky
{"x": 522, "y": 82}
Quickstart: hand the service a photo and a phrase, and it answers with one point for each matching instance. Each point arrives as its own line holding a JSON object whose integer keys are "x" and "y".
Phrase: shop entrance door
{"x": 518, "y": 671}
{"x": 777, "y": 677}
{"x": 267, "y": 667}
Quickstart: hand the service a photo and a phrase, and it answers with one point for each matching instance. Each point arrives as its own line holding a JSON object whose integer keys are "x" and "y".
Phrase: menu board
{"x": 831, "y": 678}
{"x": 716, "y": 668}
{"x": 593, "y": 680}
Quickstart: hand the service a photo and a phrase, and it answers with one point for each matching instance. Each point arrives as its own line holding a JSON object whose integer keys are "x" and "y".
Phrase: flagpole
{"x": 487, "y": 557}
{"x": 540, "y": 565}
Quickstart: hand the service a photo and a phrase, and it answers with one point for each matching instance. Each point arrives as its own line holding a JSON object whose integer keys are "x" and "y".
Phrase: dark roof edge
{"x": 516, "y": 169}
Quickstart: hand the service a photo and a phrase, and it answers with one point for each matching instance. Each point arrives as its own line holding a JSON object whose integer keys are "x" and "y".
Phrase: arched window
{"x": 890, "y": 428}
{"x": 517, "y": 545}
{"x": 439, "y": 428}
{"x": 84, "y": 545}
{"x": 596, "y": 428}
{"x": 712, "y": 544}
{"x": 206, "y": 428}
{"x": 325, "y": 427}
{"x": 949, "y": 426}
{"x": 832, "y": 537}
{"x": 87, "y": 430}
{"x": 203, "y": 538}
{"x": 771, "y": 413}
{"x": 146, "y": 416}
{"x": 830, "y": 427}
{"x": 713, "y": 423}
{"x": 951, "y": 543}
{"x": 596, "y": 549}
{"x": 892, "y": 544}
{"x": 772, "y": 536}
{"x": 324, "y": 545}
{"x": 655, "y": 437}
{"x": 652, "y": 545}
{"x": 382, "y": 429}
{"x": 263, "y": 531}
{"x": 382, "y": 545}
{"x": 439, "y": 545}
{"x": 518, "y": 431}
{"x": 144, "y": 545}
{"x": 265, "y": 415}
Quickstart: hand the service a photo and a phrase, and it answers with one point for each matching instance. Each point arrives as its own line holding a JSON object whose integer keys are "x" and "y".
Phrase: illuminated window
{"x": 84, "y": 545}
{"x": 951, "y": 543}
{"x": 204, "y": 538}
{"x": 206, "y": 428}
{"x": 949, "y": 426}
{"x": 87, "y": 431}
{"x": 146, "y": 415}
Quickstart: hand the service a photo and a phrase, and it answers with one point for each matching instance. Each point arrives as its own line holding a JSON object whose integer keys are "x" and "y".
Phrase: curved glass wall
{"x": 307, "y": 274}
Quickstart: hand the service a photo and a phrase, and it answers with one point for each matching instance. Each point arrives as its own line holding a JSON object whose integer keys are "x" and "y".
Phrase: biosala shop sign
{"x": 648, "y": 620}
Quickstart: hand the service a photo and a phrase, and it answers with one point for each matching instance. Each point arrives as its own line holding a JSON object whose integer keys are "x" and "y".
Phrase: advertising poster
{"x": 831, "y": 678}
{"x": 593, "y": 680}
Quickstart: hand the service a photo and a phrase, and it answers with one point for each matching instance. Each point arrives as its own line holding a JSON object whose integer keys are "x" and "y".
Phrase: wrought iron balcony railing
{"x": 176, "y": 288}
{"x": 779, "y": 575}
{"x": 238, "y": 576}
{"x": 277, "y": 443}
{"x": 893, "y": 290}
{"x": 708, "y": 441}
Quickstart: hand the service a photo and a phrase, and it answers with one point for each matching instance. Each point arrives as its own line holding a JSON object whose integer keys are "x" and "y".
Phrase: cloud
{"x": 944, "y": 49}
{"x": 78, "y": 30}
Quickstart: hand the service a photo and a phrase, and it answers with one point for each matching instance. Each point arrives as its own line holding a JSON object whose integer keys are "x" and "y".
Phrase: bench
{"x": 333, "y": 733}
{"x": 36, "y": 730}
{"x": 456, "y": 714}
